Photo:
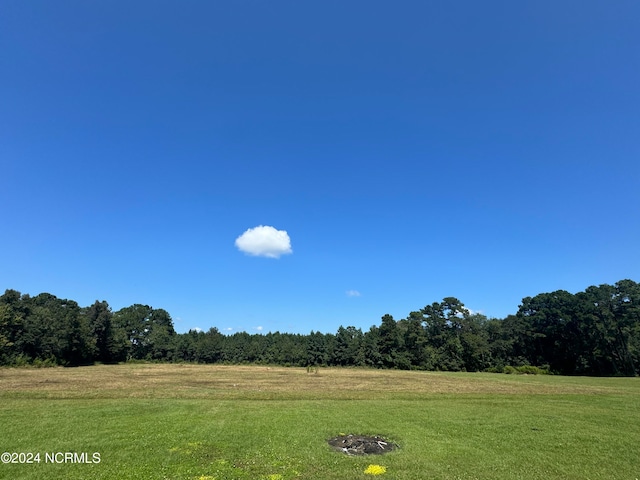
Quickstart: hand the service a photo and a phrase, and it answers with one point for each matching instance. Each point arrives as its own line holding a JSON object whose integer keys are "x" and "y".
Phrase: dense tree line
{"x": 595, "y": 332}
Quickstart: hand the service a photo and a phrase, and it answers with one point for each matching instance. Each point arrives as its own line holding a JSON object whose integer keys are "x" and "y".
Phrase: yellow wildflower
{"x": 375, "y": 470}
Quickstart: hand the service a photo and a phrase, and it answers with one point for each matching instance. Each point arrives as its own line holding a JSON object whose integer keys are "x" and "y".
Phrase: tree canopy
{"x": 594, "y": 332}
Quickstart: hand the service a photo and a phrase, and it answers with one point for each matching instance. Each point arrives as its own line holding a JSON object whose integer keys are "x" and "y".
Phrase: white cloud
{"x": 353, "y": 293}
{"x": 264, "y": 241}
{"x": 197, "y": 329}
{"x": 259, "y": 328}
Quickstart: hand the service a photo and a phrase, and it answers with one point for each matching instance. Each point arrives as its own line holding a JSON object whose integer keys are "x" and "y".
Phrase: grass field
{"x": 225, "y": 422}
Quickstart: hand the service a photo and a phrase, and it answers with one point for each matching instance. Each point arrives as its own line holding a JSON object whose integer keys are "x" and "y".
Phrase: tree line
{"x": 594, "y": 332}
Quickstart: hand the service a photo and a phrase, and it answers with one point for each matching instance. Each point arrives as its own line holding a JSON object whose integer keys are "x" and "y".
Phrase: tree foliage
{"x": 595, "y": 332}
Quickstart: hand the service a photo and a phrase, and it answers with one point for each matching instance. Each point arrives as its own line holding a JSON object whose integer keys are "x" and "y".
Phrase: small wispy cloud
{"x": 264, "y": 241}
{"x": 259, "y": 328}
{"x": 352, "y": 293}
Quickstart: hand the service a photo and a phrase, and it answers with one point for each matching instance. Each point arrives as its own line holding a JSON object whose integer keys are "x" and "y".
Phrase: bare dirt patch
{"x": 361, "y": 444}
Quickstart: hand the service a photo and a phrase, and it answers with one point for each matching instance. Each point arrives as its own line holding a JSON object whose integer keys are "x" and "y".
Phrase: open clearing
{"x": 256, "y": 422}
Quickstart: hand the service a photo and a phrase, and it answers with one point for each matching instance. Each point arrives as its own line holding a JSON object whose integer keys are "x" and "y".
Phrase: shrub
{"x": 46, "y": 363}
{"x": 532, "y": 370}
{"x": 525, "y": 370}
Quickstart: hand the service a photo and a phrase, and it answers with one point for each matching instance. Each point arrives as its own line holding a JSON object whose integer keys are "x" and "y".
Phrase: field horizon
{"x": 184, "y": 421}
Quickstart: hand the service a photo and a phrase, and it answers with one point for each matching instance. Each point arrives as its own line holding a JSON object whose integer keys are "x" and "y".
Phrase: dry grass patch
{"x": 259, "y": 382}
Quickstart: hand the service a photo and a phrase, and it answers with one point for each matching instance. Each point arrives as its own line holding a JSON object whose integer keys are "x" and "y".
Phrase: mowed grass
{"x": 228, "y": 422}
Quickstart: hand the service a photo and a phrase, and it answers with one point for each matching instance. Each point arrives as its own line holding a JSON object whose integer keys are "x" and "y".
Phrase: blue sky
{"x": 411, "y": 151}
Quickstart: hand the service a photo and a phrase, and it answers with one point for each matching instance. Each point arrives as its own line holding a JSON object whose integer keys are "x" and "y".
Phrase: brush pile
{"x": 361, "y": 445}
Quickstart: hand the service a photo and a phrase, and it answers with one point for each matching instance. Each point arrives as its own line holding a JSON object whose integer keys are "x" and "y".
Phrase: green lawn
{"x": 214, "y": 422}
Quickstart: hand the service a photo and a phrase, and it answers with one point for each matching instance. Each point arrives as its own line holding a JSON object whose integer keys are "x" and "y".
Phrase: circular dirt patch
{"x": 361, "y": 445}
